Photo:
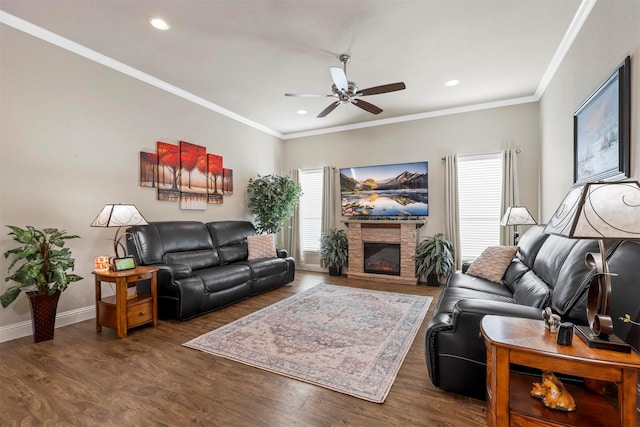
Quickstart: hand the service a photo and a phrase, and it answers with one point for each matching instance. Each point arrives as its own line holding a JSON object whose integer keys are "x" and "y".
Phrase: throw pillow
{"x": 261, "y": 246}
{"x": 492, "y": 263}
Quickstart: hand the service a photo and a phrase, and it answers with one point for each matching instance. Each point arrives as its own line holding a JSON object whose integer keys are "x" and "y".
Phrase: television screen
{"x": 399, "y": 190}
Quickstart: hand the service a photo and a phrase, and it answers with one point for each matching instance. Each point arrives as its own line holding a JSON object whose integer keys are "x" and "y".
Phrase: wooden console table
{"x": 526, "y": 342}
{"x": 118, "y": 311}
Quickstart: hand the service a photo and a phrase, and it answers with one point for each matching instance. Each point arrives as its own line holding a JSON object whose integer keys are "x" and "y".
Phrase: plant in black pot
{"x": 42, "y": 270}
{"x": 334, "y": 250}
{"x": 272, "y": 199}
{"x": 434, "y": 259}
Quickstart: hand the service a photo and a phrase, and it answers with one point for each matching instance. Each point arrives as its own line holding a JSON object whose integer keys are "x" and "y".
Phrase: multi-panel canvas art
{"x": 214, "y": 179}
{"x": 193, "y": 176}
{"x": 187, "y": 174}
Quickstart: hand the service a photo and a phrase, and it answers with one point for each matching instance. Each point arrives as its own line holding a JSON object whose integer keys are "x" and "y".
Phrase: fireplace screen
{"x": 382, "y": 258}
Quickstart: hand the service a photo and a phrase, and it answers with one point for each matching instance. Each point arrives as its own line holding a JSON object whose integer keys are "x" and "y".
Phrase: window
{"x": 311, "y": 208}
{"x": 479, "y": 203}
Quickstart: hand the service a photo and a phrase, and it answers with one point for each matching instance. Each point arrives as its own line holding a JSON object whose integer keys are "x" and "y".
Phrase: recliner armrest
{"x": 174, "y": 271}
{"x": 499, "y": 308}
{"x": 282, "y": 253}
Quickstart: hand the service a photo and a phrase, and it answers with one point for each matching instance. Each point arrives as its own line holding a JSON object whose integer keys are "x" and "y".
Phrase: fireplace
{"x": 388, "y": 232}
{"x": 382, "y": 258}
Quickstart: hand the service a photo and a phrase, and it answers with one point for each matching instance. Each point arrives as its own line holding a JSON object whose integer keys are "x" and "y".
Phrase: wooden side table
{"x": 526, "y": 342}
{"x": 118, "y": 311}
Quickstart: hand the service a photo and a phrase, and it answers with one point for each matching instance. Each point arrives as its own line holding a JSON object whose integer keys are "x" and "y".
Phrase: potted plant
{"x": 434, "y": 259}
{"x": 43, "y": 265}
{"x": 272, "y": 199}
{"x": 334, "y": 250}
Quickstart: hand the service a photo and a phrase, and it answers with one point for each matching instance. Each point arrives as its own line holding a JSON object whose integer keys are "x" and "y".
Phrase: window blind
{"x": 311, "y": 208}
{"x": 479, "y": 203}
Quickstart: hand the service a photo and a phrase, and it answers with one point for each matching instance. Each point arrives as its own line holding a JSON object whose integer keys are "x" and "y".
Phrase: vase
{"x": 43, "y": 315}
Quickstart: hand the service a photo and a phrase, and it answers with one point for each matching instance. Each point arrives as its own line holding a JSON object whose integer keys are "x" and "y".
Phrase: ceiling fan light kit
{"x": 347, "y": 91}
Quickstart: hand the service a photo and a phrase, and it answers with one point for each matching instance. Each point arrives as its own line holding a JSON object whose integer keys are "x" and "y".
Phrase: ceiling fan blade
{"x": 391, "y": 87}
{"x": 309, "y": 95}
{"x": 329, "y": 109}
{"x": 366, "y": 106}
{"x": 339, "y": 78}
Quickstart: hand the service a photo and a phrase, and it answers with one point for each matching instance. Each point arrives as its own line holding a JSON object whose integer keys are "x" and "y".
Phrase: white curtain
{"x": 291, "y": 230}
{"x": 328, "y": 198}
{"x": 452, "y": 228}
{"x": 510, "y": 191}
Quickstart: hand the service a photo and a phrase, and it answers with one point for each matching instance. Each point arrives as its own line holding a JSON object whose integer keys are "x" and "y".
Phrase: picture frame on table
{"x": 602, "y": 128}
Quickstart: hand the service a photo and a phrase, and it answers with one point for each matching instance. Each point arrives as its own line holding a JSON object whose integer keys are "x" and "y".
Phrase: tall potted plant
{"x": 434, "y": 258}
{"x": 43, "y": 265}
{"x": 272, "y": 199}
{"x": 334, "y": 250}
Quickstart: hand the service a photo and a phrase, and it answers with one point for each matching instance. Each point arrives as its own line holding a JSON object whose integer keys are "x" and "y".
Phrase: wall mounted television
{"x": 394, "y": 191}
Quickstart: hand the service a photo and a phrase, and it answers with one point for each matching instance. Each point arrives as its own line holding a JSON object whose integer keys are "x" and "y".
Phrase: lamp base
{"x": 611, "y": 342}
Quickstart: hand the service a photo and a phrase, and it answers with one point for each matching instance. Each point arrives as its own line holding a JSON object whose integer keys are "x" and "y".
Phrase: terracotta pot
{"x": 43, "y": 315}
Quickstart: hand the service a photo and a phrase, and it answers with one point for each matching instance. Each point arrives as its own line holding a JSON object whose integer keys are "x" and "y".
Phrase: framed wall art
{"x": 601, "y": 130}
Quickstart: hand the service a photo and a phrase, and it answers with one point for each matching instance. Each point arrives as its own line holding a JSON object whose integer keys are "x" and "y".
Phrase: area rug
{"x": 346, "y": 339}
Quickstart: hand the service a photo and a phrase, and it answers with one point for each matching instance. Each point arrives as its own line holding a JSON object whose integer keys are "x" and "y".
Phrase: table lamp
{"x": 599, "y": 210}
{"x": 118, "y": 215}
{"x": 517, "y": 215}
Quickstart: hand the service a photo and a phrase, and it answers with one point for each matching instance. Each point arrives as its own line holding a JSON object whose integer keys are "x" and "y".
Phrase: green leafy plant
{"x": 46, "y": 262}
{"x": 272, "y": 199}
{"x": 334, "y": 248}
{"x": 434, "y": 255}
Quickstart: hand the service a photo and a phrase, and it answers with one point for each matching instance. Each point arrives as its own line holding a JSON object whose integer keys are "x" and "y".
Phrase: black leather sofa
{"x": 547, "y": 271}
{"x": 204, "y": 267}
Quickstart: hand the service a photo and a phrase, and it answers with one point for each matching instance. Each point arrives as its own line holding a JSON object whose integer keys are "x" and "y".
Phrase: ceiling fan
{"x": 347, "y": 91}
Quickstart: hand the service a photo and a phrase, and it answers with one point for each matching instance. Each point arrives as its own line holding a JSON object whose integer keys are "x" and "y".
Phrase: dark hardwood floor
{"x": 149, "y": 379}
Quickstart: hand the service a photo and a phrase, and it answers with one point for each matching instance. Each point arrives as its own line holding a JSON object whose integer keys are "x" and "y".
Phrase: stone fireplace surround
{"x": 403, "y": 232}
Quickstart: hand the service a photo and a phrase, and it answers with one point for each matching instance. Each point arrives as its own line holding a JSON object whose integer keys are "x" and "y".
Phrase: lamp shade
{"x": 517, "y": 215}
{"x": 118, "y": 215}
{"x": 599, "y": 210}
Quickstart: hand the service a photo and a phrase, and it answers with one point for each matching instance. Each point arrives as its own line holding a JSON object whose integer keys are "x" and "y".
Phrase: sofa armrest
{"x": 453, "y": 341}
{"x": 174, "y": 271}
{"x": 282, "y": 253}
{"x": 498, "y": 308}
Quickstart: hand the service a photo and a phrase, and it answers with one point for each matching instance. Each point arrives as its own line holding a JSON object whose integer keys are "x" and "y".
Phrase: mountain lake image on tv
{"x": 399, "y": 190}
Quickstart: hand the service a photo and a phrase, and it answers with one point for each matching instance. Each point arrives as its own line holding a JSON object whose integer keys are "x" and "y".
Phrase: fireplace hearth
{"x": 382, "y": 258}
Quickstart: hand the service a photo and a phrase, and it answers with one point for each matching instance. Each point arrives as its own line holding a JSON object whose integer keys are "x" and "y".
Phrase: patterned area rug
{"x": 345, "y": 339}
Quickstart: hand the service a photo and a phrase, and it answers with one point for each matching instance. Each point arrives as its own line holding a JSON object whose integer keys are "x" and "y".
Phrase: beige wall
{"x": 611, "y": 32}
{"x": 71, "y": 131}
{"x": 430, "y": 139}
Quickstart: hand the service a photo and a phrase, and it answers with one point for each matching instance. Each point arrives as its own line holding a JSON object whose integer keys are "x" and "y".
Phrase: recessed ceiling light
{"x": 452, "y": 83}
{"x": 302, "y": 112}
{"x": 160, "y": 24}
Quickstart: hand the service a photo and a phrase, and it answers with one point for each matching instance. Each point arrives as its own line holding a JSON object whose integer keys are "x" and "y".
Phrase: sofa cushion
{"x": 492, "y": 263}
{"x": 261, "y": 246}
{"x": 461, "y": 280}
{"x": 530, "y": 290}
{"x": 530, "y": 243}
{"x": 514, "y": 272}
{"x": 263, "y": 267}
{"x": 223, "y": 277}
{"x": 194, "y": 259}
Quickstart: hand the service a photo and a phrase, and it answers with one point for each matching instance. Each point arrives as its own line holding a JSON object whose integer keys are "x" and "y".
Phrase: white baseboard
{"x": 23, "y": 329}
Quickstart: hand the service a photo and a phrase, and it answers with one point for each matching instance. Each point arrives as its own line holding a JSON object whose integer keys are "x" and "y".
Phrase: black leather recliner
{"x": 204, "y": 267}
{"x": 549, "y": 271}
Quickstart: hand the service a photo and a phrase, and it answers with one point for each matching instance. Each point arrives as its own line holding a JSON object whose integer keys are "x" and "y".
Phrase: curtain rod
{"x": 518, "y": 151}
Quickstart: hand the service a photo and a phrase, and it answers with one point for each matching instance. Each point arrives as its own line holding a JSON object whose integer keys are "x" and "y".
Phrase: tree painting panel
{"x": 168, "y": 171}
{"x": 227, "y": 181}
{"x": 214, "y": 179}
{"x": 148, "y": 169}
{"x": 193, "y": 176}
